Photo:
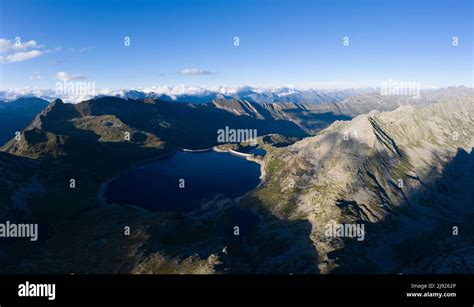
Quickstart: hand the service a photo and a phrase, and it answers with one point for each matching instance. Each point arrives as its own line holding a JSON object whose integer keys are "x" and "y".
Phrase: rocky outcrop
{"x": 386, "y": 170}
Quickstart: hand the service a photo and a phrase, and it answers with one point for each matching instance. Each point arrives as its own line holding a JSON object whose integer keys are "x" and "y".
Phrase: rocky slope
{"x": 350, "y": 172}
{"x": 116, "y": 132}
{"x": 312, "y": 117}
{"x": 78, "y": 234}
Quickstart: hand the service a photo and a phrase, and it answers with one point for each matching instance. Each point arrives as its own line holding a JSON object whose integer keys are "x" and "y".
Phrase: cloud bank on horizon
{"x": 199, "y": 94}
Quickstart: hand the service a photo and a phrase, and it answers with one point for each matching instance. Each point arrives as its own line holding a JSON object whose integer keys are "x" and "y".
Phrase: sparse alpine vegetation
{"x": 404, "y": 173}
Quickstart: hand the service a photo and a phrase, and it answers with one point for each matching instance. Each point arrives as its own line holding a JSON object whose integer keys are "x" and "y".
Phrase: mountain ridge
{"x": 350, "y": 172}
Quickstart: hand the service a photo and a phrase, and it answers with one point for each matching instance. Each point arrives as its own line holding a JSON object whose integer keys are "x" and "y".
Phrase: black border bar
{"x": 239, "y": 289}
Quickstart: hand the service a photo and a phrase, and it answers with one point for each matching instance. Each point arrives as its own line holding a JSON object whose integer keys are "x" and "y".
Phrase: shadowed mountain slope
{"x": 95, "y": 131}
{"x": 17, "y": 114}
{"x": 383, "y": 169}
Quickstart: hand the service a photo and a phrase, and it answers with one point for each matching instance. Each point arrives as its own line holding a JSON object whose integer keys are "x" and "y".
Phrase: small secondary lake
{"x": 155, "y": 185}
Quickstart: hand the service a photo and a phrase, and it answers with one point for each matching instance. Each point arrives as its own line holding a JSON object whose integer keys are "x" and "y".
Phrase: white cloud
{"x": 195, "y": 71}
{"x": 11, "y": 52}
{"x": 21, "y": 56}
{"x": 63, "y": 76}
{"x": 176, "y": 90}
{"x": 12, "y": 94}
{"x": 7, "y": 46}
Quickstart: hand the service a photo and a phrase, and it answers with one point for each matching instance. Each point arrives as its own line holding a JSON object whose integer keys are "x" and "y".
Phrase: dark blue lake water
{"x": 155, "y": 185}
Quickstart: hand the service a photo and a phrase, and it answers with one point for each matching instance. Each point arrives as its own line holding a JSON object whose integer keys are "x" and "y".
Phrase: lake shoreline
{"x": 101, "y": 194}
{"x": 248, "y": 157}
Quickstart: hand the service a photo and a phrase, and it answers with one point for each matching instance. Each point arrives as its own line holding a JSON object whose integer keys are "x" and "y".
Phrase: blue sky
{"x": 282, "y": 42}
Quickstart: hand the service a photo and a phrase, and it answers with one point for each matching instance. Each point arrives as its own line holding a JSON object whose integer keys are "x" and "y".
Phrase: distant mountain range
{"x": 307, "y": 111}
{"x": 191, "y": 94}
{"x": 196, "y": 94}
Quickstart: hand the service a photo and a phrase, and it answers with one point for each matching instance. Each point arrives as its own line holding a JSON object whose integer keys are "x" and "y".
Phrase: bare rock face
{"x": 402, "y": 174}
{"x": 399, "y": 183}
